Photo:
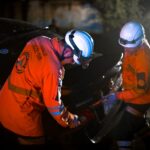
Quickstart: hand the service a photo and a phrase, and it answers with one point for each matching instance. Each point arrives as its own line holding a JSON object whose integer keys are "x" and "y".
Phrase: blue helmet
{"x": 82, "y": 45}
{"x": 131, "y": 35}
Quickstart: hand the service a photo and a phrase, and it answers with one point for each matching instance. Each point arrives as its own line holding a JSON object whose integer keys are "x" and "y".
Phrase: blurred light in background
{"x": 73, "y": 15}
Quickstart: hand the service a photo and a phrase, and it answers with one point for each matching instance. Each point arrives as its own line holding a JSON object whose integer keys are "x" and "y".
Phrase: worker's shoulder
{"x": 42, "y": 38}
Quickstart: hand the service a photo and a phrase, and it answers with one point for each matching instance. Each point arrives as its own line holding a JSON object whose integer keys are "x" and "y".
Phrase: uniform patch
{"x": 22, "y": 62}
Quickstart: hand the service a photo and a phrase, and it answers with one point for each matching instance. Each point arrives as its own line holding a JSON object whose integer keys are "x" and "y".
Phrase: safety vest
{"x": 136, "y": 76}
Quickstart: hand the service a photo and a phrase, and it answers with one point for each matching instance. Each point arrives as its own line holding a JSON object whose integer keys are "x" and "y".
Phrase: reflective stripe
{"x": 22, "y": 91}
{"x": 56, "y": 110}
{"x": 56, "y": 113}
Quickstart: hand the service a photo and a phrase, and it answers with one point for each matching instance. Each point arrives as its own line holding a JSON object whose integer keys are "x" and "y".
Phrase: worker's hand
{"x": 79, "y": 121}
{"x": 69, "y": 119}
{"x": 110, "y": 98}
{"x": 109, "y": 101}
{"x": 73, "y": 121}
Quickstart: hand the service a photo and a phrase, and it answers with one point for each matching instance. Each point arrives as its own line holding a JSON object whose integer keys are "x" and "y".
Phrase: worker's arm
{"x": 52, "y": 97}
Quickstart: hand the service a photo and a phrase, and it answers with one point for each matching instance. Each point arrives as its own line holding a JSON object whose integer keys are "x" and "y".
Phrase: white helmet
{"x": 131, "y": 35}
{"x": 82, "y": 44}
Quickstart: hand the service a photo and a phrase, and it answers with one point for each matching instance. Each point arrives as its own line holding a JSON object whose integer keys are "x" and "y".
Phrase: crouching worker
{"x": 35, "y": 83}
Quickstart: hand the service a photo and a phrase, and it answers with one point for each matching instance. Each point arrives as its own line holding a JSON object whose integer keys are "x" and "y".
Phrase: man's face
{"x": 68, "y": 55}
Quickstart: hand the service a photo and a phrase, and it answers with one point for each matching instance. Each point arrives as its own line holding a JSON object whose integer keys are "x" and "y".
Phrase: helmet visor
{"x": 125, "y": 42}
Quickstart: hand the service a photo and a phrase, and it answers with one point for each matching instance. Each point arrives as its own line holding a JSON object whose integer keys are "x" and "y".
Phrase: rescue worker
{"x": 135, "y": 91}
{"x": 35, "y": 83}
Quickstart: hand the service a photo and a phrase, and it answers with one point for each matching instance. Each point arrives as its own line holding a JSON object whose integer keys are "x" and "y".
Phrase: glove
{"x": 73, "y": 121}
{"x": 108, "y": 102}
{"x": 111, "y": 98}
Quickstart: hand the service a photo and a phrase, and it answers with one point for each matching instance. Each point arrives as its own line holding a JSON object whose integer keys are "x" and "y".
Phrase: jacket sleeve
{"x": 141, "y": 84}
{"x": 52, "y": 84}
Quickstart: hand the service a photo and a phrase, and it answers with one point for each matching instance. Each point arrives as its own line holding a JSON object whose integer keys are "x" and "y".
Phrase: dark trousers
{"x": 129, "y": 124}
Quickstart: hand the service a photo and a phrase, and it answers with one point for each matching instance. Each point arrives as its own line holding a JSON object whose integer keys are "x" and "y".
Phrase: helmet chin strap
{"x": 76, "y": 50}
{"x": 61, "y": 57}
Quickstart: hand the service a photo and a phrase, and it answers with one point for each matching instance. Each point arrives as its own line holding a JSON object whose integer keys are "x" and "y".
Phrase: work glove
{"x": 108, "y": 102}
{"x": 71, "y": 120}
{"x": 111, "y": 98}
{"x": 78, "y": 121}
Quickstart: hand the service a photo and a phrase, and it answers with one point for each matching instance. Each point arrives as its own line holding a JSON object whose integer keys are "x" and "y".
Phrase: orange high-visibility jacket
{"x": 35, "y": 82}
{"x": 136, "y": 76}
